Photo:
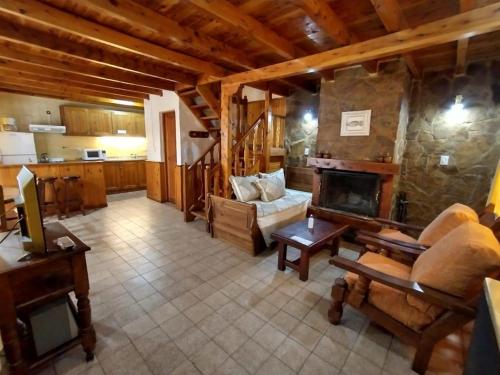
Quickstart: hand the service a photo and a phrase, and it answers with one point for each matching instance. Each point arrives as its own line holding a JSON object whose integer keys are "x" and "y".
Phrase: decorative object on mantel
{"x": 319, "y": 155}
{"x": 327, "y": 155}
{"x": 355, "y": 123}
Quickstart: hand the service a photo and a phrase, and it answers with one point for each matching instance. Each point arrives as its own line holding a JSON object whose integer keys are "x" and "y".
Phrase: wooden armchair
{"x": 413, "y": 301}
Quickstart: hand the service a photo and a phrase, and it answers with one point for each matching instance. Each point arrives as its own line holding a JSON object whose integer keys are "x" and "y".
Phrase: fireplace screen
{"x": 354, "y": 192}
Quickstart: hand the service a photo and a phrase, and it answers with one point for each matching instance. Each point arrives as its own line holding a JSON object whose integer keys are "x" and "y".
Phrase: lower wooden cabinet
{"x": 124, "y": 175}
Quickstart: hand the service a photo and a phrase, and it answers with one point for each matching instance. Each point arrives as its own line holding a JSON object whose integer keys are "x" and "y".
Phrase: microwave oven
{"x": 93, "y": 154}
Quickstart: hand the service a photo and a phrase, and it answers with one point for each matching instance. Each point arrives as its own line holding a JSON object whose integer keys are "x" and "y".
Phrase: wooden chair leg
{"x": 55, "y": 198}
{"x": 422, "y": 356}
{"x": 80, "y": 190}
{"x": 337, "y": 307}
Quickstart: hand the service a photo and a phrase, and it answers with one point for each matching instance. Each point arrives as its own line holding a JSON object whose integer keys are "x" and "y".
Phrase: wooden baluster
{"x": 202, "y": 179}
{"x": 212, "y": 157}
{"x": 237, "y": 165}
{"x": 217, "y": 181}
{"x": 208, "y": 178}
{"x": 246, "y": 156}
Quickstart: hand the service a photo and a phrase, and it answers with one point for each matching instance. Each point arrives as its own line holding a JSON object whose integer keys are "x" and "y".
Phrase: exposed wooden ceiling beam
{"x": 391, "y": 15}
{"x": 47, "y": 72}
{"x": 42, "y": 80}
{"x": 475, "y": 22}
{"x": 166, "y": 29}
{"x": 54, "y": 61}
{"x": 328, "y": 20}
{"x": 230, "y": 14}
{"x": 13, "y": 80}
{"x": 18, "y": 33}
{"x": 53, "y": 18}
{"x": 66, "y": 96}
{"x": 463, "y": 44}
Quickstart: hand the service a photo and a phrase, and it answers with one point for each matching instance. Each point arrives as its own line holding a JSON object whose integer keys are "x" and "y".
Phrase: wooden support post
{"x": 227, "y": 90}
{"x": 267, "y": 131}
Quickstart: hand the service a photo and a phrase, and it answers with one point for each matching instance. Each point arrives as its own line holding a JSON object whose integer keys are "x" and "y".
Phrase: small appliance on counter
{"x": 93, "y": 154}
{"x": 44, "y": 158}
{"x": 8, "y": 124}
{"x": 17, "y": 148}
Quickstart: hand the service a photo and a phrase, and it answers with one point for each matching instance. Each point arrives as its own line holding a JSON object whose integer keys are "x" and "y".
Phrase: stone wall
{"x": 354, "y": 90}
{"x": 472, "y": 141}
{"x": 299, "y": 133}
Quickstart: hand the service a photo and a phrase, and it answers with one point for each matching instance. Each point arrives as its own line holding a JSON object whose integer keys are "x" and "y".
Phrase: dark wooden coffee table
{"x": 324, "y": 233}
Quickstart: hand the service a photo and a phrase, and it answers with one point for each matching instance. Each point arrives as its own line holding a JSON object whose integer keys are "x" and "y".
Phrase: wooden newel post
{"x": 226, "y": 134}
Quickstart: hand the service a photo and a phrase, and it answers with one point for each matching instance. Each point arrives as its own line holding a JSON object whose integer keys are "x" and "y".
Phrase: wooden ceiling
{"x": 124, "y": 50}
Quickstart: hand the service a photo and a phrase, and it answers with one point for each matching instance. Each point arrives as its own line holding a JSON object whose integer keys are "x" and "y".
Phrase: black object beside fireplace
{"x": 355, "y": 192}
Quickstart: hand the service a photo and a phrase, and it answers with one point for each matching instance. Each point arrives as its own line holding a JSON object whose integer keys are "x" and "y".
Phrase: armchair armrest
{"x": 378, "y": 236}
{"x": 399, "y": 225}
{"x": 390, "y": 246}
{"x": 431, "y": 295}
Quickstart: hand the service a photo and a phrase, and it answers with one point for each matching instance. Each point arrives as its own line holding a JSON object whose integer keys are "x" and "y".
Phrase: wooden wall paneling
{"x": 141, "y": 174}
{"x": 156, "y": 181}
{"x": 299, "y": 178}
{"x": 179, "y": 187}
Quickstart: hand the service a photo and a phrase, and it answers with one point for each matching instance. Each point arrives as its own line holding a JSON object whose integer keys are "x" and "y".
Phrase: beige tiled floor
{"x": 168, "y": 299}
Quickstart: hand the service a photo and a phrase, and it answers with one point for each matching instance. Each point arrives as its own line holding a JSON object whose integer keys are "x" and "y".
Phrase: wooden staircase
{"x": 203, "y": 101}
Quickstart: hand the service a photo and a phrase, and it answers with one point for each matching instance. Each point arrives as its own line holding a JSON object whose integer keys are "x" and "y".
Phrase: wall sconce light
{"x": 456, "y": 112}
{"x": 308, "y": 116}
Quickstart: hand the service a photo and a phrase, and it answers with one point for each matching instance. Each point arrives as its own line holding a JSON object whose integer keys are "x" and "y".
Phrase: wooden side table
{"x": 309, "y": 242}
{"x": 27, "y": 285}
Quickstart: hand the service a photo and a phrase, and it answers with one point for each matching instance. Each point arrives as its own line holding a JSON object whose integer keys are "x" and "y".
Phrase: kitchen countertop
{"x": 69, "y": 162}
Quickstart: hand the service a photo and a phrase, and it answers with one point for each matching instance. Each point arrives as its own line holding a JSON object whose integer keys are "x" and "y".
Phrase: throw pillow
{"x": 280, "y": 173}
{"x": 271, "y": 188}
{"x": 243, "y": 188}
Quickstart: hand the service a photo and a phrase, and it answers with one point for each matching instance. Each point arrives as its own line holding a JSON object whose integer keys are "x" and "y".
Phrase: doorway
{"x": 170, "y": 156}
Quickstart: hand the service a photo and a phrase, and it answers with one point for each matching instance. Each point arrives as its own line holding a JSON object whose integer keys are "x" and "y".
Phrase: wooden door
{"x": 100, "y": 122}
{"x": 141, "y": 173}
{"x": 112, "y": 177}
{"x": 123, "y": 123}
{"x": 170, "y": 149}
{"x": 140, "y": 126}
{"x": 129, "y": 175}
{"x": 76, "y": 120}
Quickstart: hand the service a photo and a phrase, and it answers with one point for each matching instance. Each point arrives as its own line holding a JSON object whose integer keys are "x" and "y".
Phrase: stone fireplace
{"x": 354, "y": 186}
{"x": 355, "y": 192}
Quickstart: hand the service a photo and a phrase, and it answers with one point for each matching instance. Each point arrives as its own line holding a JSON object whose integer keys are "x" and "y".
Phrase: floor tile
{"x": 209, "y": 358}
{"x": 230, "y": 339}
{"x": 249, "y": 323}
{"x": 251, "y": 356}
{"x": 191, "y": 341}
{"x": 292, "y": 353}
{"x": 274, "y": 366}
{"x": 269, "y": 337}
{"x": 176, "y": 326}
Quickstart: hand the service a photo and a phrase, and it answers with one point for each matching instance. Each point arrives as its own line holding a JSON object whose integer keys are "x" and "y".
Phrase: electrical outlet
{"x": 444, "y": 160}
{"x": 306, "y": 151}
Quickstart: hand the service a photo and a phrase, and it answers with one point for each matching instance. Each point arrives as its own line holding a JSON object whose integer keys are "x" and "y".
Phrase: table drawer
{"x": 40, "y": 282}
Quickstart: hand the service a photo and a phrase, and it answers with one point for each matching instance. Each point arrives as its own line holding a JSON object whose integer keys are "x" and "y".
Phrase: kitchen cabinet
{"x": 124, "y": 175}
{"x": 76, "y": 120}
{"x": 100, "y": 122}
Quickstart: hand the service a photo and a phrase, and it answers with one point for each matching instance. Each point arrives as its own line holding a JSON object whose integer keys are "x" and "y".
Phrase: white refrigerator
{"x": 17, "y": 148}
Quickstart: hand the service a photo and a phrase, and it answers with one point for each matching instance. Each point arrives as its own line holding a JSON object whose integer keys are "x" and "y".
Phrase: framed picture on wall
{"x": 355, "y": 123}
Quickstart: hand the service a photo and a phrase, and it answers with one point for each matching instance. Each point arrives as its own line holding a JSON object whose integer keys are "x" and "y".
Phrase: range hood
{"x": 55, "y": 129}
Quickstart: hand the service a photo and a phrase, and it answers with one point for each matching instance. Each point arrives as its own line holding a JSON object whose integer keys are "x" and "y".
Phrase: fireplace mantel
{"x": 354, "y": 165}
{"x": 386, "y": 170}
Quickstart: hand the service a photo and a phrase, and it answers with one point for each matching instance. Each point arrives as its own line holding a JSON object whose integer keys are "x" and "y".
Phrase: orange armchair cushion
{"x": 457, "y": 262}
{"x": 446, "y": 221}
{"x": 392, "y": 301}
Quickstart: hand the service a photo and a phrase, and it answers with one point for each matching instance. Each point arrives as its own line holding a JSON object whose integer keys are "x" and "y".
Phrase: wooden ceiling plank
{"x": 52, "y": 18}
{"x": 475, "y": 22}
{"x": 393, "y": 18}
{"x": 62, "y": 88}
{"x": 65, "y": 83}
{"x": 8, "y": 50}
{"x": 47, "y": 72}
{"x": 143, "y": 17}
{"x": 65, "y": 96}
{"x": 103, "y": 56}
{"x": 230, "y": 14}
{"x": 463, "y": 44}
{"x": 328, "y": 20}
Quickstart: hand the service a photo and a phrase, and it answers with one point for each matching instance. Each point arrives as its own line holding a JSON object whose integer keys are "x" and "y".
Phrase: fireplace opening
{"x": 355, "y": 192}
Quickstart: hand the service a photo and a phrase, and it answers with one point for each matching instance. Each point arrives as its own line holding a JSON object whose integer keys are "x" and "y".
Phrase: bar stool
{"x": 42, "y": 184}
{"x": 72, "y": 194}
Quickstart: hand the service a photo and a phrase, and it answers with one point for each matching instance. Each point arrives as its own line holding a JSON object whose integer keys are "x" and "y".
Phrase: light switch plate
{"x": 444, "y": 160}
{"x": 306, "y": 151}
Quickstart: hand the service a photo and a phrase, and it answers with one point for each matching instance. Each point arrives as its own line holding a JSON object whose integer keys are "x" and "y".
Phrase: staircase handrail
{"x": 250, "y": 129}
{"x": 202, "y": 156}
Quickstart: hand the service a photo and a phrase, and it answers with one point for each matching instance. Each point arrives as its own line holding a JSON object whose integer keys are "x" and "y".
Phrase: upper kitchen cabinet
{"x": 100, "y": 122}
{"x": 76, "y": 120}
{"x": 123, "y": 123}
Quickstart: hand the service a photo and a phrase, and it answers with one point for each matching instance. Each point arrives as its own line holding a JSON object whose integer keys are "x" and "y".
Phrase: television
{"x": 28, "y": 208}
